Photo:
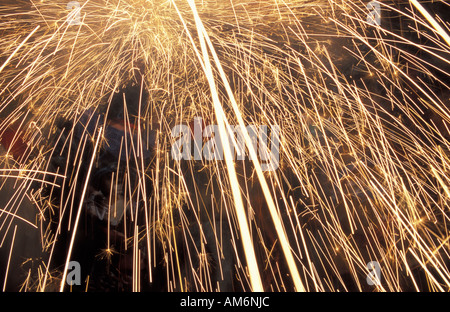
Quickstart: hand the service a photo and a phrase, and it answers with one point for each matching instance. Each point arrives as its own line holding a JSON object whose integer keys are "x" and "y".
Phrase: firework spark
{"x": 91, "y": 91}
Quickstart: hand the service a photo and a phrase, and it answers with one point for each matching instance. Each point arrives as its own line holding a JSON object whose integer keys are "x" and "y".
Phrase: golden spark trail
{"x": 274, "y": 214}
{"x": 77, "y": 219}
{"x": 433, "y": 22}
{"x": 9, "y": 258}
{"x": 239, "y": 205}
{"x": 18, "y": 48}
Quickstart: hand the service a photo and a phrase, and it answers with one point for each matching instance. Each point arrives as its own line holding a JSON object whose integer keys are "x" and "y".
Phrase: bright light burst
{"x": 364, "y": 155}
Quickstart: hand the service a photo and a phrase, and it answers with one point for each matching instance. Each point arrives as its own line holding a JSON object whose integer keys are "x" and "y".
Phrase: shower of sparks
{"x": 364, "y": 154}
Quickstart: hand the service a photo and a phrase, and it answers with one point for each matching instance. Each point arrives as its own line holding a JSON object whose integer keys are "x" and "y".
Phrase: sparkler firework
{"x": 91, "y": 90}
